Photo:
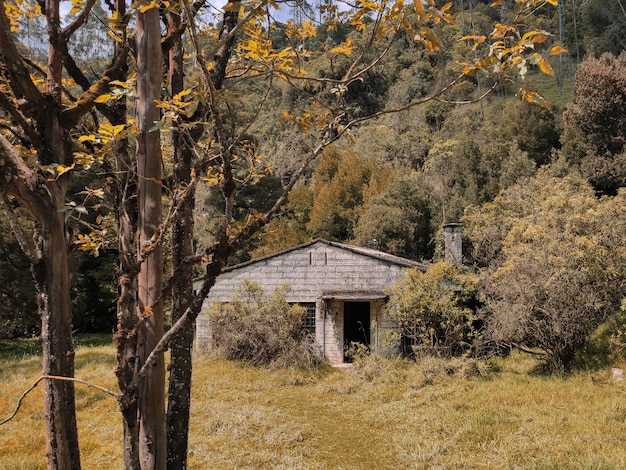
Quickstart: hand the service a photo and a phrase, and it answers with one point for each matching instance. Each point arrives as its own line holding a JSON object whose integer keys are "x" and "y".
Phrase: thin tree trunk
{"x": 124, "y": 191}
{"x": 151, "y": 391}
{"x": 179, "y": 391}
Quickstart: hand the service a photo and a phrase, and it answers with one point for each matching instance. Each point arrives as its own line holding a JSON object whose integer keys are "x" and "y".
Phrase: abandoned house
{"x": 342, "y": 286}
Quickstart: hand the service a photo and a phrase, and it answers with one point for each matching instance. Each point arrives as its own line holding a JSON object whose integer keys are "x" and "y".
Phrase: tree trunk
{"x": 179, "y": 391}
{"x": 151, "y": 391}
{"x": 51, "y": 274}
{"x": 124, "y": 189}
{"x": 180, "y": 367}
{"x": 51, "y": 271}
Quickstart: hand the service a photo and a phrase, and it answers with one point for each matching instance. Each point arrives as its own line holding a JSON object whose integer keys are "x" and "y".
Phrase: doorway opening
{"x": 356, "y": 325}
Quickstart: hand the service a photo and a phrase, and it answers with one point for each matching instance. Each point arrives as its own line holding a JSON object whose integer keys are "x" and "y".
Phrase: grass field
{"x": 381, "y": 414}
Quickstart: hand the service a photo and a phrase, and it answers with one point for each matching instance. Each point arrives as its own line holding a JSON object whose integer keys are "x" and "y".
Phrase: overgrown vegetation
{"x": 261, "y": 329}
{"x": 386, "y": 414}
{"x": 434, "y": 310}
{"x": 555, "y": 263}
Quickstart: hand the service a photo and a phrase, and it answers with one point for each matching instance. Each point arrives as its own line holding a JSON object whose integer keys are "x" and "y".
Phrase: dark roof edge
{"x": 381, "y": 255}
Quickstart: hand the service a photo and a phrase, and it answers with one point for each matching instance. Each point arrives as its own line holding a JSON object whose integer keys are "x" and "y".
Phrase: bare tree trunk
{"x": 151, "y": 391}
{"x": 179, "y": 391}
{"x": 124, "y": 190}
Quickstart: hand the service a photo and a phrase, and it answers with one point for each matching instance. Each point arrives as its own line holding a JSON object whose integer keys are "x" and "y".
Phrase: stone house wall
{"x": 326, "y": 273}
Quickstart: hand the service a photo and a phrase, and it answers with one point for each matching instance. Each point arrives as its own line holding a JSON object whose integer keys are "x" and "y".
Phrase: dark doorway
{"x": 356, "y": 324}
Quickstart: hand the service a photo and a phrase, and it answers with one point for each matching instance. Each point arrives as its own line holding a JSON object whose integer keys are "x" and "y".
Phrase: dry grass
{"x": 380, "y": 414}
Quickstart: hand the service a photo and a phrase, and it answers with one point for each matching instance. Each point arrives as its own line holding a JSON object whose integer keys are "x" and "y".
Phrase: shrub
{"x": 262, "y": 330}
{"x": 432, "y": 309}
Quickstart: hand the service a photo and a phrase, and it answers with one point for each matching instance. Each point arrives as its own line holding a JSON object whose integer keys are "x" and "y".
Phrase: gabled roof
{"x": 405, "y": 262}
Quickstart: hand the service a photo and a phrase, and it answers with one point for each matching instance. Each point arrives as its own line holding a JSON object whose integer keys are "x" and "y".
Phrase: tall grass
{"x": 378, "y": 414}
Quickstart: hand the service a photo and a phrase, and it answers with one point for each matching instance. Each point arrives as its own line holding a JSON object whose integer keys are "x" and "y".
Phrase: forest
{"x": 143, "y": 146}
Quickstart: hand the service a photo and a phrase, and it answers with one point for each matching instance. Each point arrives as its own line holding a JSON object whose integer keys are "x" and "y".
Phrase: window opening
{"x": 308, "y": 319}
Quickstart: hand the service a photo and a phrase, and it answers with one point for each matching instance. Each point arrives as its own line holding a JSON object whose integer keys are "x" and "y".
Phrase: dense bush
{"x": 594, "y": 133}
{"x": 262, "y": 330}
{"x": 555, "y": 264}
{"x": 432, "y": 309}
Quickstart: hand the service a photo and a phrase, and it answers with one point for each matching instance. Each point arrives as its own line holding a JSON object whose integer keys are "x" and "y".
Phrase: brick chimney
{"x": 453, "y": 244}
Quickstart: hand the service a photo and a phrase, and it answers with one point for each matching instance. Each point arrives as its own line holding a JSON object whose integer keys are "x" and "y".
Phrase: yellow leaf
{"x": 469, "y": 70}
{"x": 64, "y": 169}
{"x": 119, "y": 128}
{"x": 476, "y": 39}
{"x": 556, "y": 50}
{"x": 115, "y": 19}
{"x": 533, "y": 97}
{"x": 99, "y": 219}
{"x": 536, "y": 36}
{"x": 185, "y": 92}
{"x": 126, "y": 85}
{"x": 545, "y": 67}
{"x": 212, "y": 180}
{"x": 446, "y": 16}
{"x": 149, "y": 6}
{"x": 103, "y": 98}
{"x": 428, "y": 37}
{"x": 419, "y": 9}
{"x": 345, "y": 48}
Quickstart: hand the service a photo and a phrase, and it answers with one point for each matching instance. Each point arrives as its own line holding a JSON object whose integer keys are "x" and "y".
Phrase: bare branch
{"x": 56, "y": 377}
{"x": 21, "y": 399}
{"x": 434, "y": 96}
{"x": 83, "y": 382}
{"x": 526, "y": 349}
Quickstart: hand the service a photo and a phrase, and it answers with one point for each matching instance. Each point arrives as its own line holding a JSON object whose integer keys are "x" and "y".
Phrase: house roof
{"x": 405, "y": 262}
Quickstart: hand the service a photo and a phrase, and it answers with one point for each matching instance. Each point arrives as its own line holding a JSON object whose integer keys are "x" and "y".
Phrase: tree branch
{"x": 27, "y": 245}
{"x": 19, "y": 402}
{"x": 86, "y": 101}
{"x": 20, "y": 181}
{"x": 82, "y": 17}
{"x": 19, "y": 77}
{"x": 526, "y": 349}
{"x": 56, "y": 377}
